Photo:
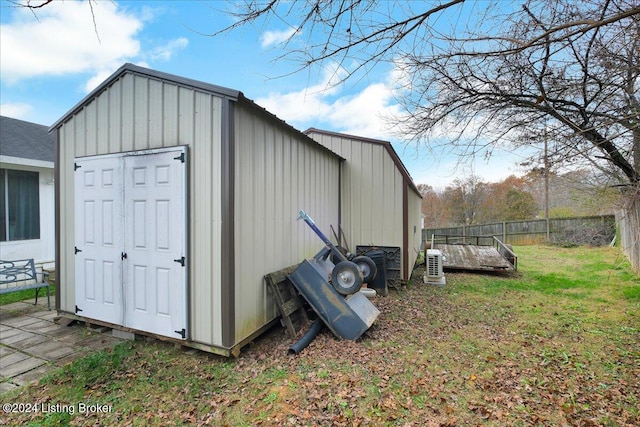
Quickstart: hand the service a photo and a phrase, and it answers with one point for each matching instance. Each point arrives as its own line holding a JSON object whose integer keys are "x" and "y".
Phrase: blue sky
{"x": 51, "y": 59}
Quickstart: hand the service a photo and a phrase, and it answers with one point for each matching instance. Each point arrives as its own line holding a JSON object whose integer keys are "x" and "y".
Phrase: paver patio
{"x": 33, "y": 344}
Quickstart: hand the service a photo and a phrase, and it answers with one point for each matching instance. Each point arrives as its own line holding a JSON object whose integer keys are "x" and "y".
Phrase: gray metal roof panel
{"x": 26, "y": 140}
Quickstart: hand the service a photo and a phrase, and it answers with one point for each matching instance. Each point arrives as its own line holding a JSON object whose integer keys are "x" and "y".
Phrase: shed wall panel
{"x": 415, "y": 227}
{"x": 170, "y": 107}
{"x": 128, "y": 124}
{"x": 371, "y": 192}
{"x": 141, "y": 102}
{"x": 103, "y": 115}
{"x": 156, "y": 118}
{"x": 114, "y": 121}
{"x": 65, "y": 277}
{"x": 136, "y": 113}
{"x": 205, "y": 249}
{"x": 268, "y": 237}
{"x": 377, "y": 196}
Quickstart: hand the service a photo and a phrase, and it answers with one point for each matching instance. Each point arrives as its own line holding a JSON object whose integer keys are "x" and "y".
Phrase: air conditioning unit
{"x": 434, "y": 274}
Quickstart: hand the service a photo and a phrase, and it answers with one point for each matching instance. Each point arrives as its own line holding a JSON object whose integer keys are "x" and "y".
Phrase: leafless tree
{"x": 572, "y": 66}
{"x": 581, "y": 84}
{"x": 34, "y": 5}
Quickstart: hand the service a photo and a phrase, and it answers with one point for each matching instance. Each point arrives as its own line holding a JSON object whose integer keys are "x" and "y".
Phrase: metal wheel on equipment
{"x": 346, "y": 278}
{"x": 366, "y": 266}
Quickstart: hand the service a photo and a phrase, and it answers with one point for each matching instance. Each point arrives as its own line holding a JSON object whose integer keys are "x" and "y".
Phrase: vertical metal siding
{"x": 277, "y": 173}
{"x": 128, "y": 124}
{"x": 141, "y": 103}
{"x": 372, "y": 197}
{"x": 114, "y": 123}
{"x": 372, "y": 185}
{"x": 137, "y": 113}
{"x": 205, "y": 122}
{"x": 415, "y": 227}
{"x": 103, "y": 115}
{"x": 65, "y": 277}
{"x": 156, "y": 117}
{"x": 170, "y": 109}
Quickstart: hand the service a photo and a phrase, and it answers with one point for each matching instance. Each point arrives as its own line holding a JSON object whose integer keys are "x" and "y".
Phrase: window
{"x": 19, "y": 205}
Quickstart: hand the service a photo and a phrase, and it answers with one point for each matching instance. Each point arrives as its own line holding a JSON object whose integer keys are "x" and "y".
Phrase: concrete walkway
{"x": 33, "y": 344}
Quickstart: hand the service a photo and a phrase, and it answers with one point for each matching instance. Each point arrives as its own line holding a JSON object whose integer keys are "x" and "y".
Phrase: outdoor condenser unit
{"x": 434, "y": 274}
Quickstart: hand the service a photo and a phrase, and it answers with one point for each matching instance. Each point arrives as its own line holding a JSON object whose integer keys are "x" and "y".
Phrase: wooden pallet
{"x": 291, "y": 305}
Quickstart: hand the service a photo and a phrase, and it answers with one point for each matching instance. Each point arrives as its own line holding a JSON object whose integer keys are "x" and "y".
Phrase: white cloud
{"x": 365, "y": 113}
{"x": 98, "y": 78}
{"x": 361, "y": 113}
{"x": 165, "y": 52}
{"x": 64, "y": 39}
{"x": 15, "y": 110}
{"x": 270, "y": 38}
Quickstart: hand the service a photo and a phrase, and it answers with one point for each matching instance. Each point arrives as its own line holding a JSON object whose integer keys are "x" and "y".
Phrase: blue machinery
{"x": 332, "y": 289}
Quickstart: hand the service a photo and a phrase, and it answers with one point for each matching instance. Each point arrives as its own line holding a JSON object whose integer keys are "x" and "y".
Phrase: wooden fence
{"x": 591, "y": 229}
{"x": 629, "y": 227}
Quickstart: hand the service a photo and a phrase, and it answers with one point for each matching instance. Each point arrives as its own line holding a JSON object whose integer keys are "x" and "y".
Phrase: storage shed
{"x": 174, "y": 198}
{"x": 380, "y": 204}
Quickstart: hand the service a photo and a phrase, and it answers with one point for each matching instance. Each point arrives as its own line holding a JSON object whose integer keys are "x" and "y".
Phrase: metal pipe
{"x": 306, "y": 339}
{"x": 303, "y": 215}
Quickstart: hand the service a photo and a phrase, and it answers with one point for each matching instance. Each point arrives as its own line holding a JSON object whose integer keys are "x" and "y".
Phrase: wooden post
{"x": 504, "y": 231}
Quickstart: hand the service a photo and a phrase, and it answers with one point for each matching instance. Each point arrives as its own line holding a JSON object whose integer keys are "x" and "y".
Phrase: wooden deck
{"x": 473, "y": 258}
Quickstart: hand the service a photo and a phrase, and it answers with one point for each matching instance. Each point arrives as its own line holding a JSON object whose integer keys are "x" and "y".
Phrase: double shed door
{"x": 131, "y": 239}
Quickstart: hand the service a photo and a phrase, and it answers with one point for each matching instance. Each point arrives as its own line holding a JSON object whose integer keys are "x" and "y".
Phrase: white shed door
{"x": 98, "y": 228}
{"x": 155, "y": 242}
{"x": 131, "y": 229}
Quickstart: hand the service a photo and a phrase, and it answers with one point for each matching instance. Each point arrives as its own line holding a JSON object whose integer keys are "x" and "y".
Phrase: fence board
{"x": 629, "y": 228}
{"x": 528, "y": 232}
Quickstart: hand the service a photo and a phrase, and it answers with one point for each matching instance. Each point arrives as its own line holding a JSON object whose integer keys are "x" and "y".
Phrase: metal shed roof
{"x": 25, "y": 140}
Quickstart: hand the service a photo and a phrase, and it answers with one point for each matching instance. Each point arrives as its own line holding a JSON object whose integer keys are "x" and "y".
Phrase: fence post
{"x": 504, "y": 232}
{"x": 548, "y": 230}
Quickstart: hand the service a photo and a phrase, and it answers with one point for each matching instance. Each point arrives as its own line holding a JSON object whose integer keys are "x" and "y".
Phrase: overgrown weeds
{"x": 556, "y": 344}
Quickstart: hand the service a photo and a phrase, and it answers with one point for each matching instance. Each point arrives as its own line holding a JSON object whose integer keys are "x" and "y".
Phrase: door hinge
{"x": 180, "y": 157}
{"x": 182, "y": 333}
{"x": 123, "y": 255}
{"x": 76, "y": 166}
{"x": 77, "y": 250}
{"x": 182, "y": 261}
{"x": 78, "y": 309}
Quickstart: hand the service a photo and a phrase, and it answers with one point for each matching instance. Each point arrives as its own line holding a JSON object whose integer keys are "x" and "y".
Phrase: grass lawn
{"x": 556, "y": 344}
{"x": 26, "y": 294}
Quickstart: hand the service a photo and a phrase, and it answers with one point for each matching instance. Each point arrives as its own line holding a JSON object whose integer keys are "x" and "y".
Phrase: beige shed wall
{"x": 372, "y": 196}
{"x": 278, "y": 172}
{"x": 414, "y": 203}
{"x": 138, "y": 113}
{"x": 372, "y": 186}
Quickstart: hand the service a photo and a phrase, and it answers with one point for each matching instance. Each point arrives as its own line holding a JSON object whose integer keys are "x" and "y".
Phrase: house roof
{"x": 25, "y": 140}
{"x": 386, "y": 144}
